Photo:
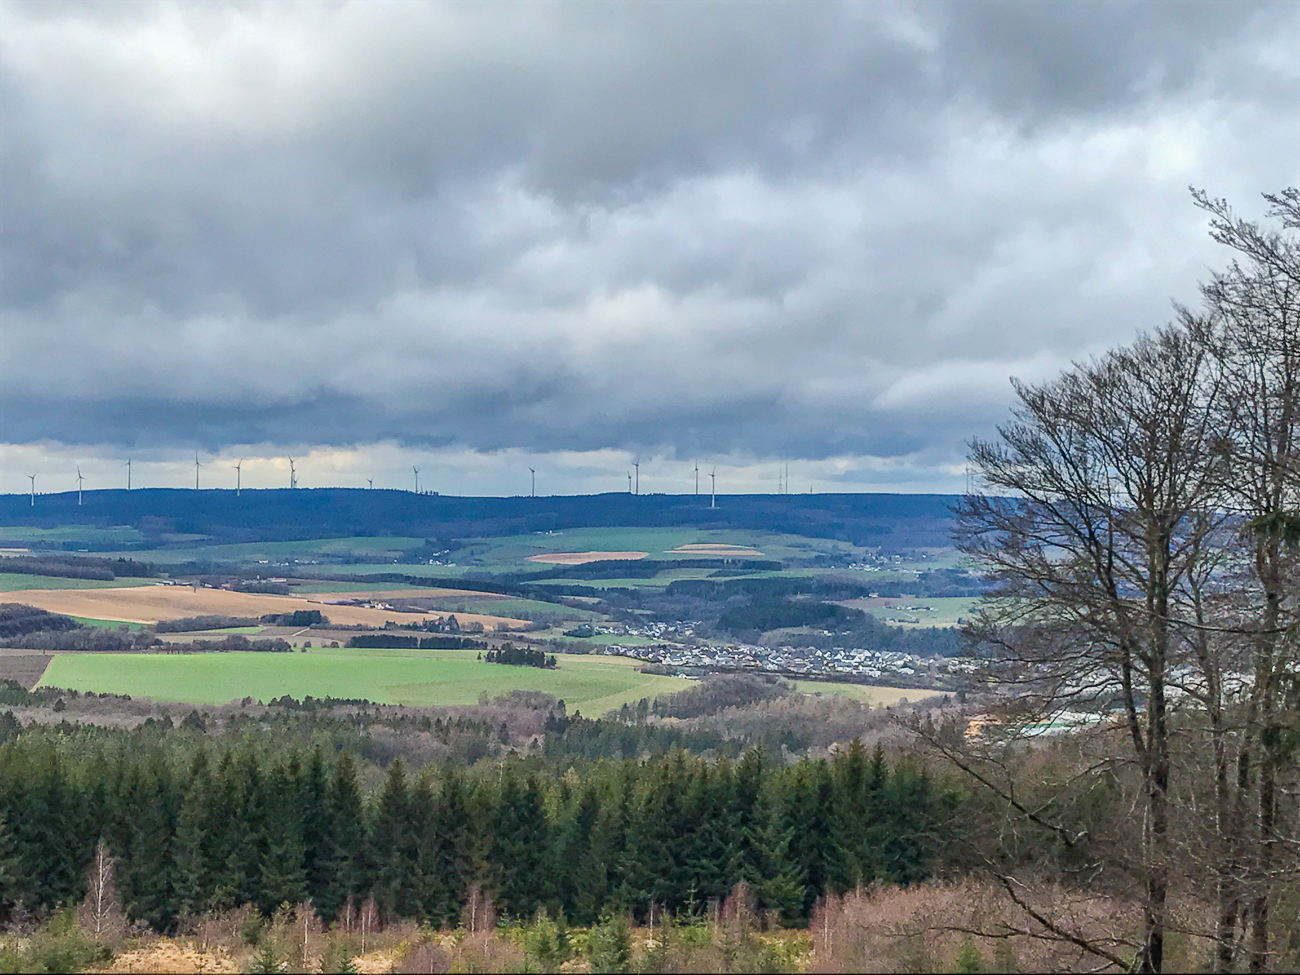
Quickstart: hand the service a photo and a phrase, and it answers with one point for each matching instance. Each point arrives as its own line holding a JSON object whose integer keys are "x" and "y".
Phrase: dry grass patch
{"x": 169, "y": 956}
{"x": 150, "y": 604}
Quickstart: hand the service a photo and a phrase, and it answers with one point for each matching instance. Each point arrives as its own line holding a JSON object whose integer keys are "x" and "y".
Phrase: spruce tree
{"x": 446, "y": 851}
{"x": 12, "y": 887}
{"x": 396, "y": 844}
{"x": 516, "y": 843}
{"x": 347, "y": 852}
{"x": 148, "y": 872}
{"x": 314, "y": 810}
{"x": 283, "y": 874}
{"x": 192, "y": 847}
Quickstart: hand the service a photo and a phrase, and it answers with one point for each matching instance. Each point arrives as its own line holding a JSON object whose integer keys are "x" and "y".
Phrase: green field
{"x": 922, "y": 611}
{"x": 419, "y": 569}
{"x": 876, "y": 696}
{"x": 318, "y": 549}
{"x": 107, "y": 624}
{"x": 657, "y": 581}
{"x": 508, "y": 606}
{"x": 303, "y": 588}
{"x": 415, "y": 677}
{"x": 14, "y": 581}
{"x": 66, "y": 535}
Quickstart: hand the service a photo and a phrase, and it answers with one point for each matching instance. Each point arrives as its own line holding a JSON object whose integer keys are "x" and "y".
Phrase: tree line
{"x": 235, "y": 825}
{"x": 520, "y": 656}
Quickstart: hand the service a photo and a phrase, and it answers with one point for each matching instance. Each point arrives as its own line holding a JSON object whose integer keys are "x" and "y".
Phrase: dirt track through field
{"x": 582, "y": 558}
{"x": 150, "y": 604}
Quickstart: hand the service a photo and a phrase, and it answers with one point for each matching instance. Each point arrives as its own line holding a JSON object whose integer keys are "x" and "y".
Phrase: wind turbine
{"x": 371, "y": 482}
{"x": 713, "y": 478}
{"x": 629, "y": 482}
{"x": 417, "y": 478}
{"x": 197, "y": 465}
{"x": 32, "y": 478}
{"x": 697, "y": 478}
{"x": 533, "y": 472}
{"x": 239, "y": 476}
{"x": 293, "y": 474}
{"x": 79, "y": 480}
{"x": 128, "y": 473}
{"x": 637, "y": 464}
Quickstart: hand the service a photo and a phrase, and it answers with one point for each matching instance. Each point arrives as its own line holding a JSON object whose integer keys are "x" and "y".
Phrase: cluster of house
{"x": 854, "y": 662}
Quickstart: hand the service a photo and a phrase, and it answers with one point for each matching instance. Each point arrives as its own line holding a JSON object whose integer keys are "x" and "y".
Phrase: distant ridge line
{"x": 271, "y": 514}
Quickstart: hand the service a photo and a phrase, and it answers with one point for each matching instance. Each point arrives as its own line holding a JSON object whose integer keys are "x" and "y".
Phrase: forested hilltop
{"x": 879, "y": 520}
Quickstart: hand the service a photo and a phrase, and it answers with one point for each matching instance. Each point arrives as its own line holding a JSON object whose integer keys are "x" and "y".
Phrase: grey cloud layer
{"x": 785, "y": 229}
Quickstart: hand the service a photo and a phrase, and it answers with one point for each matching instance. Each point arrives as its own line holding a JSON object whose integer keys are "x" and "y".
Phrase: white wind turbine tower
{"x": 697, "y": 478}
{"x": 32, "y": 478}
{"x": 533, "y": 490}
{"x": 713, "y": 499}
{"x": 197, "y": 465}
{"x": 79, "y": 480}
{"x": 629, "y": 482}
{"x": 371, "y": 482}
{"x": 239, "y": 476}
{"x": 128, "y": 473}
{"x": 417, "y": 478}
{"x": 293, "y": 474}
{"x": 637, "y": 464}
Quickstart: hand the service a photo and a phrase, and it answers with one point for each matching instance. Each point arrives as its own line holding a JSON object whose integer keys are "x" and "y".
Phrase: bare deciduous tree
{"x": 1139, "y": 530}
{"x": 101, "y": 911}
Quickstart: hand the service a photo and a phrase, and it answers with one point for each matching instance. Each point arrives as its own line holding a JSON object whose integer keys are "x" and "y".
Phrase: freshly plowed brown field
{"x": 26, "y": 667}
{"x": 582, "y": 558}
{"x": 714, "y": 549}
{"x": 149, "y": 604}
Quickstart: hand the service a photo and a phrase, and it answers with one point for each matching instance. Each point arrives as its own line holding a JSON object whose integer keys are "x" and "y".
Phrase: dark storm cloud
{"x": 780, "y": 229}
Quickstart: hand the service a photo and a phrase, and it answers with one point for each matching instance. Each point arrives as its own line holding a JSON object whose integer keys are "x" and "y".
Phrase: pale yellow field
{"x": 582, "y": 558}
{"x": 713, "y": 549}
{"x": 876, "y": 695}
{"x": 150, "y": 604}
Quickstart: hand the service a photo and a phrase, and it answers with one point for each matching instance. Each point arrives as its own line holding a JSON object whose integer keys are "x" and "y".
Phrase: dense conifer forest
{"x": 200, "y": 825}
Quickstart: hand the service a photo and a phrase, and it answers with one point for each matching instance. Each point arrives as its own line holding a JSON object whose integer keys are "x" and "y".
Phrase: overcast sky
{"x": 481, "y": 237}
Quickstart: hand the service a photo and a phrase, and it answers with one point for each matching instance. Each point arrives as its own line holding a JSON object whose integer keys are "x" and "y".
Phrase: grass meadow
{"x": 107, "y": 624}
{"x": 593, "y": 685}
{"x": 18, "y": 581}
{"x": 919, "y": 611}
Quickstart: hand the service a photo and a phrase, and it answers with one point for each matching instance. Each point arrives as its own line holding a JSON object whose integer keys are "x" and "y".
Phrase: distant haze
{"x": 477, "y": 238}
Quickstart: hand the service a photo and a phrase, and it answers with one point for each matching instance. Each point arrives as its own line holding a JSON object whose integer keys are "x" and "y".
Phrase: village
{"x": 677, "y": 647}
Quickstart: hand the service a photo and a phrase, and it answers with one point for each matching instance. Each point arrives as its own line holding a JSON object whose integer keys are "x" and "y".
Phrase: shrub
{"x": 609, "y": 945}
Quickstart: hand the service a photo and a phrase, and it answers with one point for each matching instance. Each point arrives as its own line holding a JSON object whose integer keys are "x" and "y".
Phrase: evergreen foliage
{"x": 520, "y": 657}
{"x": 200, "y": 824}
